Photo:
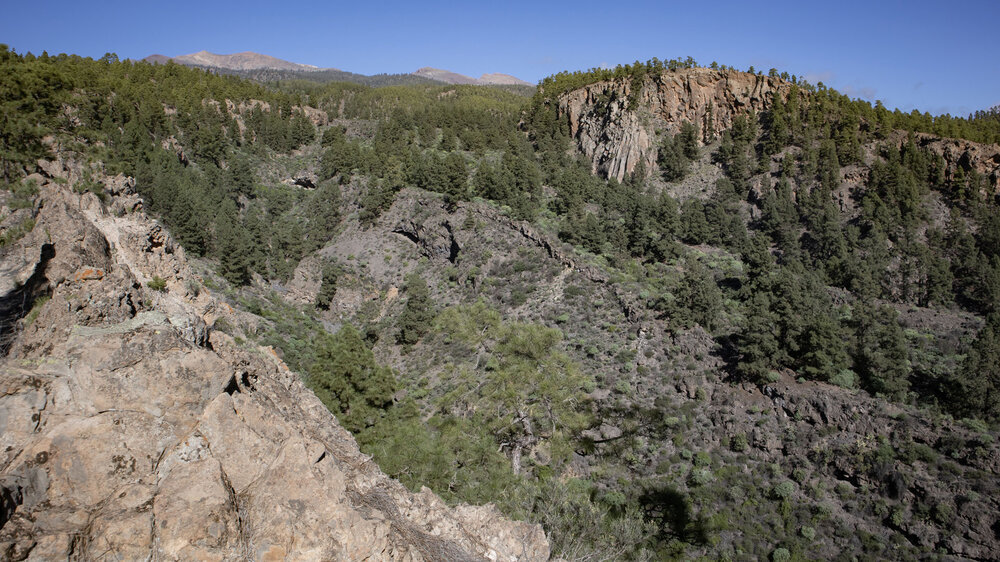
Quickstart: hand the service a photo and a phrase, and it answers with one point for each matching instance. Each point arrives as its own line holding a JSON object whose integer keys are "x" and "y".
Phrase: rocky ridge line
{"x": 129, "y": 429}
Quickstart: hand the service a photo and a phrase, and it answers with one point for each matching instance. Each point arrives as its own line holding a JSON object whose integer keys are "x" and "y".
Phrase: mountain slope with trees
{"x": 757, "y": 323}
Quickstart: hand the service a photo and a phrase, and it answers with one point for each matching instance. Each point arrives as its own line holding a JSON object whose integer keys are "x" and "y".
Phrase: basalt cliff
{"x": 130, "y": 430}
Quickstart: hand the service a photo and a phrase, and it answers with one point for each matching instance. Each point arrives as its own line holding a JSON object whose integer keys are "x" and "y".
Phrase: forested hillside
{"x": 776, "y": 335}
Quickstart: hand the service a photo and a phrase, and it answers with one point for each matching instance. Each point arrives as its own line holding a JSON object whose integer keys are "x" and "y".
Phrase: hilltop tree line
{"x": 982, "y": 126}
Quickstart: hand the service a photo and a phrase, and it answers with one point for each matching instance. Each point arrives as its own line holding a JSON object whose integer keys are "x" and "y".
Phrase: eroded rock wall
{"x": 616, "y": 135}
{"x": 616, "y": 138}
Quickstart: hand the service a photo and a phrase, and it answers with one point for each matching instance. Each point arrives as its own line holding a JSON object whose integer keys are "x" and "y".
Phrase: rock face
{"x": 616, "y": 138}
{"x": 967, "y": 156}
{"x": 129, "y": 430}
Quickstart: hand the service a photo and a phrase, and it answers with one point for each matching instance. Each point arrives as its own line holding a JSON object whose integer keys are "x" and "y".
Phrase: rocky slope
{"x": 982, "y": 159}
{"x": 857, "y": 468}
{"x": 131, "y": 430}
{"x": 498, "y": 78}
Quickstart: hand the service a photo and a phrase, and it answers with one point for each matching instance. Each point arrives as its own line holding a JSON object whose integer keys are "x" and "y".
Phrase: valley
{"x": 657, "y": 311}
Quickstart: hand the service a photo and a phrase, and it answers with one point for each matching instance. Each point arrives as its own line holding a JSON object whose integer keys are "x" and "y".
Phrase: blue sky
{"x": 931, "y": 56}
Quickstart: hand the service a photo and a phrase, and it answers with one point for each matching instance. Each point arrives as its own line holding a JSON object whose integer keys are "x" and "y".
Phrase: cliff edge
{"x": 130, "y": 430}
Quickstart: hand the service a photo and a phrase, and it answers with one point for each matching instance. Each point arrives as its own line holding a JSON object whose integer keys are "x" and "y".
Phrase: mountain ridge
{"x": 250, "y": 61}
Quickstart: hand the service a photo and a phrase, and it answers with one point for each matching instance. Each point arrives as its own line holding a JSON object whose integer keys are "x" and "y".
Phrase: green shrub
{"x": 943, "y": 513}
{"x": 781, "y": 555}
{"x": 783, "y": 490}
{"x": 36, "y": 308}
{"x": 24, "y": 194}
{"x": 701, "y": 459}
{"x": 15, "y": 233}
{"x": 799, "y": 475}
{"x": 699, "y": 477}
{"x": 845, "y": 379}
{"x": 739, "y": 443}
{"x": 157, "y": 284}
{"x": 843, "y": 489}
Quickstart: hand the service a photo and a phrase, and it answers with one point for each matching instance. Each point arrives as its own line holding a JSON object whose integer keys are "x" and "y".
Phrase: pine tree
{"x": 757, "y": 342}
{"x": 881, "y": 356}
{"x": 232, "y": 247}
{"x": 347, "y": 379}
{"x": 327, "y": 286}
{"x": 975, "y": 389}
{"x": 673, "y": 162}
{"x": 416, "y": 318}
{"x": 688, "y": 138}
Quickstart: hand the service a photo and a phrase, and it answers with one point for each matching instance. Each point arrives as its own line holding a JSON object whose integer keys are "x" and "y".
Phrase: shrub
{"x": 701, "y": 458}
{"x": 36, "y": 308}
{"x": 699, "y": 477}
{"x": 781, "y": 555}
{"x": 799, "y": 475}
{"x": 623, "y": 387}
{"x": 845, "y": 379}
{"x": 943, "y": 513}
{"x": 15, "y": 233}
{"x": 897, "y": 518}
{"x": 783, "y": 490}
{"x": 157, "y": 284}
{"x": 739, "y": 443}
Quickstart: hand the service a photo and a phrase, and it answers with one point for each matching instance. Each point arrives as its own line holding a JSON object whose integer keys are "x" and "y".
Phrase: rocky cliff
{"x": 967, "y": 156}
{"x": 130, "y": 430}
{"x": 616, "y": 133}
{"x": 616, "y": 138}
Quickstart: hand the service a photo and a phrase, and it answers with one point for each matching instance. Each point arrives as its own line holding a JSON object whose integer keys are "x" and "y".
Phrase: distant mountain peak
{"x": 246, "y": 60}
{"x": 450, "y": 77}
{"x": 446, "y": 76}
{"x": 250, "y": 61}
{"x": 502, "y": 79}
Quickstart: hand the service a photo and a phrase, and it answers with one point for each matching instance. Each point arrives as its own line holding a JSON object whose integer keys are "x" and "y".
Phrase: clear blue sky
{"x": 930, "y": 55}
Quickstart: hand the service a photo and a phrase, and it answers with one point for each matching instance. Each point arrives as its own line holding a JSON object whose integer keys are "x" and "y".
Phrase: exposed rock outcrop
{"x": 964, "y": 157}
{"x": 616, "y": 134}
{"x": 129, "y": 430}
{"x": 616, "y": 138}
